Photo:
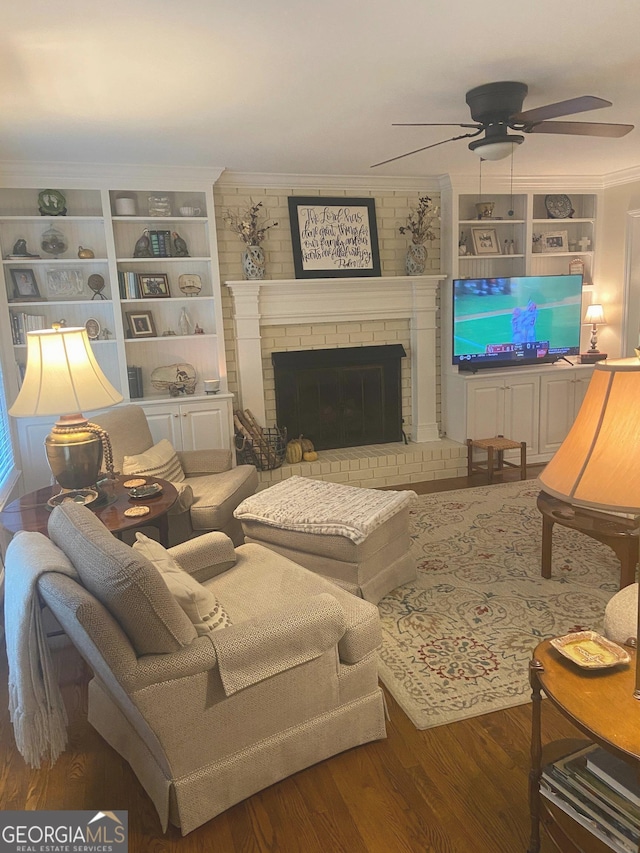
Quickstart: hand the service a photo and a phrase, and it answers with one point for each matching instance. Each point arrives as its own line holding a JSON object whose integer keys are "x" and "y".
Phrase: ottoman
{"x": 357, "y": 538}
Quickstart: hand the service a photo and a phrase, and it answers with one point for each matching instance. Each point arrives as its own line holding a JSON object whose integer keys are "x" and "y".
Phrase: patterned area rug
{"x": 457, "y": 643}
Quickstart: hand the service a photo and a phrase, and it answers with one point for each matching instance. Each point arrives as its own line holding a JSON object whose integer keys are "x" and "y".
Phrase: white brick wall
{"x": 392, "y": 210}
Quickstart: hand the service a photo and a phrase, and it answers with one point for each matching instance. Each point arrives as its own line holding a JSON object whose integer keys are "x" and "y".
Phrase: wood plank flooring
{"x": 460, "y": 788}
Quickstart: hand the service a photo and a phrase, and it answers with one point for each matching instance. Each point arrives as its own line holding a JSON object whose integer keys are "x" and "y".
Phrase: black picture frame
{"x": 334, "y": 237}
{"x": 141, "y": 324}
{"x": 25, "y": 285}
{"x": 154, "y": 285}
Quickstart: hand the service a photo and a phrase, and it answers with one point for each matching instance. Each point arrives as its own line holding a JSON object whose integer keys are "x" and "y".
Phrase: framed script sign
{"x": 334, "y": 237}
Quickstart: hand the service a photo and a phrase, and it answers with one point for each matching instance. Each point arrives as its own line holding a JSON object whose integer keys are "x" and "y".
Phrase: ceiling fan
{"x": 496, "y": 108}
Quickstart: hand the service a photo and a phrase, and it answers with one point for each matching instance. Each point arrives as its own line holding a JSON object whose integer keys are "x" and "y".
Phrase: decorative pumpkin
{"x": 294, "y": 451}
{"x": 307, "y": 445}
{"x": 310, "y": 455}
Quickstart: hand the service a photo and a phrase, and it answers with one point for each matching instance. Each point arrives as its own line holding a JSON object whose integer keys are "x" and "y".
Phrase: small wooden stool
{"x": 495, "y": 460}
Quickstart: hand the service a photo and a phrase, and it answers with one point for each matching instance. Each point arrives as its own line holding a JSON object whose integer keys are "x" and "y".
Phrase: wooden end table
{"x": 620, "y": 534}
{"x": 601, "y": 705}
{"x": 30, "y": 512}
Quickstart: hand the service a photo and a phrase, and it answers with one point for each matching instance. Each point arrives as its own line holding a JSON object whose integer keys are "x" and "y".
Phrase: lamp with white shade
{"x": 63, "y": 378}
{"x": 598, "y": 463}
{"x": 594, "y": 317}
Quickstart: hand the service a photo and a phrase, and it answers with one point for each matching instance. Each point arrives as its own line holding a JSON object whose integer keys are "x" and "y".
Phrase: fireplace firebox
{"x": 344, "y": 397}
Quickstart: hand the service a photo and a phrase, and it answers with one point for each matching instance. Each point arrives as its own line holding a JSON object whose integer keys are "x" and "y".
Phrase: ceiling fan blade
{"x": 581, "y": 128}
{"x": 561, "y": 108}
{"x": 432, "y": 124}
{"x": 418, "y": 150}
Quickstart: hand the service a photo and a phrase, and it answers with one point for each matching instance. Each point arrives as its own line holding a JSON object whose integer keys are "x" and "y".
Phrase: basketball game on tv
{"x": 499, "y": 322}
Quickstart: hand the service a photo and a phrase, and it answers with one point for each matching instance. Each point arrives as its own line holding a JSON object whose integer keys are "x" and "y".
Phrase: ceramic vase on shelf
{"x": 253, "y": 263}
{"x": 416, "y": 259}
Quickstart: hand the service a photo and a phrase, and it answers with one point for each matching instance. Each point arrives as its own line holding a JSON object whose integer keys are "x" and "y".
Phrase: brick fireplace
{"x": 287, "y": 315}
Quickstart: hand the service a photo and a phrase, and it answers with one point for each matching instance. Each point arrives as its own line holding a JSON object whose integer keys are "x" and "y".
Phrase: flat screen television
{"x": 501, "y": 322}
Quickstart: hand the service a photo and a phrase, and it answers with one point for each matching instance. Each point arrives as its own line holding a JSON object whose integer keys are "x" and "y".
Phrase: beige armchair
{"x": 210, "y": 488}
{"x": 206, "y": 721}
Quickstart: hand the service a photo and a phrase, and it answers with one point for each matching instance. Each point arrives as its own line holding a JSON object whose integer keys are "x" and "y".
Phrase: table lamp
{"x": 598, "y": 463}
{"x": 63, "y": 378}
{"x": 595, "y": 317}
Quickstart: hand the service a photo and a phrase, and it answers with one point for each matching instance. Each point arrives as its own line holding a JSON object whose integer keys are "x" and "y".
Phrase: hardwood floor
{"x": 460, "y": 788}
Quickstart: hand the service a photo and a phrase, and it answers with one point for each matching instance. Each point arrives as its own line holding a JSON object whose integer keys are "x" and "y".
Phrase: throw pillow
{"x": 161, "y": 461}
{"x": 200, "y": 605}
{"x": 121, "y": 579}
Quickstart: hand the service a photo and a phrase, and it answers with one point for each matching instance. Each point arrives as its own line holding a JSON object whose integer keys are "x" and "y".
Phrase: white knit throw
{"x": 316, "y": 506}
{"x": 35, "y": 703}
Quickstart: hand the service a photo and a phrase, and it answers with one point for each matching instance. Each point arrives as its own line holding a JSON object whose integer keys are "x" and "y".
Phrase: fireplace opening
{"x": 344, "y": 397}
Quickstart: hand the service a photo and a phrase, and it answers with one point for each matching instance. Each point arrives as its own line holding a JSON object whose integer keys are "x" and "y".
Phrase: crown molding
{"x": 108, "y": 175}
{"x": 624, "y": 176}
{"x": 343, "y": 183}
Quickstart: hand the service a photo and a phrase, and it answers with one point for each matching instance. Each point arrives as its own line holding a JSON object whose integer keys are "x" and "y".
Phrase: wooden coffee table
{"x": 30, "y": 512}
{"x": 620, "y": 534}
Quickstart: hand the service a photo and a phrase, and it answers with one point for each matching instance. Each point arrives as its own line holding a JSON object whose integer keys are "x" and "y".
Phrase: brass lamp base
{"x": 74, "y": 452}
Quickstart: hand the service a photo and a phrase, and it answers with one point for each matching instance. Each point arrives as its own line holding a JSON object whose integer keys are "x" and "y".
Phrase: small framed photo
{"x": 141, "y": 324}
{"x": 485, "y": 241}
{"x": 93, "y": 329}
{"x": 153, "y": 285}
{"x": 554, "y": 241}
{"x": 25, "y": 286}
{"x": 64, "y": 283}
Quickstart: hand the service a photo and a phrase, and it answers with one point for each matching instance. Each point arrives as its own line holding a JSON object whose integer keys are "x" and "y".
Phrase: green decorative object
{"x": 52, "y": 203}
{"x": 54, "y": 242}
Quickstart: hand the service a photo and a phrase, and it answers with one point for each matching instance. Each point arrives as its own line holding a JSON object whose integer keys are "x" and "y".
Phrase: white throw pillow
{"x": 200, "y": 605}
{"x": 161, "y": 461}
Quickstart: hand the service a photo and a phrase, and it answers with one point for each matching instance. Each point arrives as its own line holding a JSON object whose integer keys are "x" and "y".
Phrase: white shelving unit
{"x": 524, "y": 403}
{"x": 92, "y": 222}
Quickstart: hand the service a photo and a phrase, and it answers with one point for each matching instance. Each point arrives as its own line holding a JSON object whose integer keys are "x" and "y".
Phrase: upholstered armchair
{"x": 278, "y": 674}
{"x": 209, "y": 487}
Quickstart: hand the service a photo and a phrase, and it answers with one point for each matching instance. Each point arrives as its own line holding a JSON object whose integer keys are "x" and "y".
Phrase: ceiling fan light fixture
{"x": 489, "y": 149}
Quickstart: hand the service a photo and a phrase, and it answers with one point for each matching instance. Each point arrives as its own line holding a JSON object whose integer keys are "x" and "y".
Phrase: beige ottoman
{"x": 357, "y": 538}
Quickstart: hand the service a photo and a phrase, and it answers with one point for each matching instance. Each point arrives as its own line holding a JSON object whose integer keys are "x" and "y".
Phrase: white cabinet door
{"x": 521, "y": 406}
{"x": 485, "y": 408}
{"x": 560, "y": 399}
{"x": 204, "y": 426}
{"x": 165, "y": 422}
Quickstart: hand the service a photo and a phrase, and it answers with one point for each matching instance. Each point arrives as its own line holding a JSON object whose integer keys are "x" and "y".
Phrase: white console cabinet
{"x": 192, "y": 426}
{"x": 536, "y": 405}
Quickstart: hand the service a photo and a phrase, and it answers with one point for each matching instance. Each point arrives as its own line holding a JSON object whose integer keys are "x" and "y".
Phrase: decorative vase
{"x": 253, "y": 263}
{"x": 416, "y": 259}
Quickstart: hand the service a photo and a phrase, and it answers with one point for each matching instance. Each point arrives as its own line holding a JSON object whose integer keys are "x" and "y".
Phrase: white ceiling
{"x": 307, "y": 86}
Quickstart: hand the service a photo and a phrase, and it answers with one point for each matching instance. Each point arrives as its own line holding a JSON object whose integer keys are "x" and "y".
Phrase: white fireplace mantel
{"x": 331, "y": 300}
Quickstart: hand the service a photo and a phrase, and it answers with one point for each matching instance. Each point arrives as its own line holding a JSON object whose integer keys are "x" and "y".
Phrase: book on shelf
{"x": 21, "y": 323}
{"x": 134, "y": 375}
{"x": 160, "y": 243}
{"x": 619, "y": 775}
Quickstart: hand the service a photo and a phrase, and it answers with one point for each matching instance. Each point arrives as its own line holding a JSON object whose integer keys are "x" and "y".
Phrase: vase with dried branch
{"x": 252, "y": 231}
{"x": 421, "y": 224}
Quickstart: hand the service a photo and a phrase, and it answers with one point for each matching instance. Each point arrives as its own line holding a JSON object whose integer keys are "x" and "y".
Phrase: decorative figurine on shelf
{"x": 20, "y": 251}
{"x": 85, "y": 254}
{"x": 185, "y": 326}
{"x": 106, "y": 334}
{"x": 179, "y": 246}
{"x": 53, "y": 242}
{"x": 142, "y": 249}
{"x": 52, "y": 203}
{"x": 95, "y": 283}
{"x": 198, "y": 330}
{"x": 190, "y": 284}
{"x": 462, "y": 244}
